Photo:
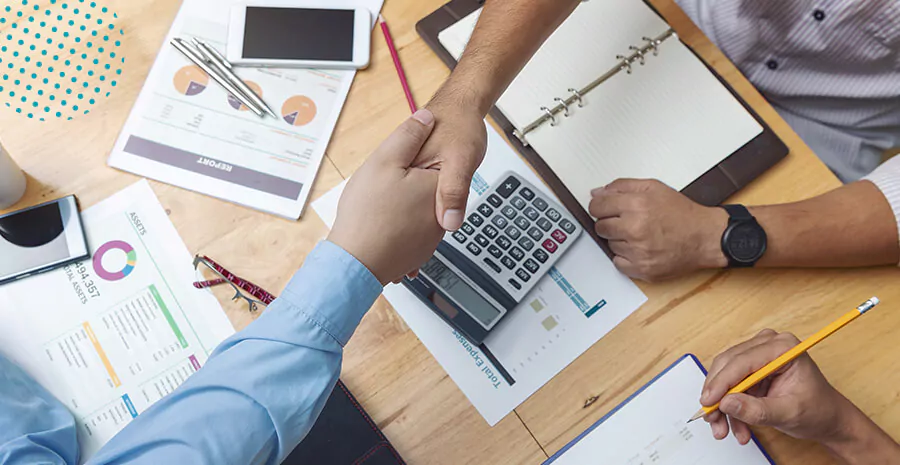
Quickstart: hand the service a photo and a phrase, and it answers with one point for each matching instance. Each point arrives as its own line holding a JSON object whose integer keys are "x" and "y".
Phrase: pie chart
{"x": 191, "y": 80}
{"x": 237, "y": 105}
{"x": 298, "y": 110}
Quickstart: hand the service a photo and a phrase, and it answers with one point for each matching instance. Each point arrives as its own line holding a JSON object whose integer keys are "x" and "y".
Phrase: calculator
{"x": 508, "y": 242}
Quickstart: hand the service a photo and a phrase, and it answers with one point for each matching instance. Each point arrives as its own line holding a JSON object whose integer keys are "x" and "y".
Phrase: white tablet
{"x": 299, "y": 34}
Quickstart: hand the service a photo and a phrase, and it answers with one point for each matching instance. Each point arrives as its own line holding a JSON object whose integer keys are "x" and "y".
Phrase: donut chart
{"x": 191, "y": 80}
{"x": 130, "y": 260}
{"x": 299, "y": 110}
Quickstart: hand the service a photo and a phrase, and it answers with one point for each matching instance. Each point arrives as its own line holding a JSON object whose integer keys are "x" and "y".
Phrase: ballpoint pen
{"x": 212, "y": 56}
{"x": 191, "y": 55}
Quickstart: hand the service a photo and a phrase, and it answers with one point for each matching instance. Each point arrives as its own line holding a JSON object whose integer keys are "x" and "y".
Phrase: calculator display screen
{"x": 458, "y": 290}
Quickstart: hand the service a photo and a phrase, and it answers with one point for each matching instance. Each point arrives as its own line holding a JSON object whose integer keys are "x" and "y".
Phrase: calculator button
{"x": 476, "y": 251}
{"x": 476, "y": 220}
{"x": 503, "y": 242}
{"x": 535, "y": 233}
{"x": 522, "y": 223}
{"x": 485, "y": 210}
{"x": 532, "y": 266}
{"x": 526, "y": 193}
{"x": 467, "y": 228}
{"x": 490, "y": 231}
{"x": 460, "y": 237}
{"x": 500, "y": 222}
{"x": 517, "y": 202}
{"x": 526, "y": 243}
{"x": 550, "y": 246}
{"x": 508, "y": 187}
{"x": 517, "y": 253}
{"x": 523, "y": 275}
{"x": 515, "y": 284}
{"x": 508, "y": 212}
{"x": 559, "y": 236}
{"x": 567, "y": 226}
{"x": 553, "y": 215}
{"x": 491, "y": 264}
{"x": 495, "y": 201}
{"x": 544, "y": 224}
{"x": 540, "y": 204}
{"x": 495, "y": 251}
{"x": 541, "y": 255}
{"x": 482, "y": 241}
{"x": 531, "y": 213}
{"x": 508, "y": 262}
{"x": 513, "y": 233}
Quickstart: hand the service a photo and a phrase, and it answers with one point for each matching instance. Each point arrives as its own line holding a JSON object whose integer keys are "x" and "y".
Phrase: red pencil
{"x": 390, "y": 43}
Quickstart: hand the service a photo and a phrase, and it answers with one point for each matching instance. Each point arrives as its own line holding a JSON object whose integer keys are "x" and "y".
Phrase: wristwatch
{"x": 744, "y": 240}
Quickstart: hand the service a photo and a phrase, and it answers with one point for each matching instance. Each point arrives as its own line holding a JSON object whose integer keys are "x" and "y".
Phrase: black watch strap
{"x": 738, "y": 212}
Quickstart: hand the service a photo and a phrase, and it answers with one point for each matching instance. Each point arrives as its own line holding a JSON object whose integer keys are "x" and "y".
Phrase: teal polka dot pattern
{"x": 58, "y": 58}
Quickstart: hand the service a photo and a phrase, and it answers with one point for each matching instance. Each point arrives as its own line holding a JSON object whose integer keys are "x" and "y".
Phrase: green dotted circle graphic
{"x": 58, "y": 58}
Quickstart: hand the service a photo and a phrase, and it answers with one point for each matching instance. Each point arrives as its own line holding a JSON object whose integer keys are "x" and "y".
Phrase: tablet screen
{"x": 298, "y": 34}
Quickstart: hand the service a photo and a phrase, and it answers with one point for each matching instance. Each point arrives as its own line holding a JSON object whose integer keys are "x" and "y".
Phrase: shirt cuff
{"x": 887, "y": 179}
{"x": 334, "y": 289}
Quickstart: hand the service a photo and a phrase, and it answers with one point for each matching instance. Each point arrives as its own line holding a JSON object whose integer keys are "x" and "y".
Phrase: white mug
{"x": 12, "y": 180}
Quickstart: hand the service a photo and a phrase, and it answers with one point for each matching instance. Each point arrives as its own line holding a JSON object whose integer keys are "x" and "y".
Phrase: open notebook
{"x": 640, "y": 104}
{"x": 650, "y": 428}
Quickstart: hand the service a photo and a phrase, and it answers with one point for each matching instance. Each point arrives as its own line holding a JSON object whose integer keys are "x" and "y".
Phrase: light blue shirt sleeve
{"x": 255, "y": 399}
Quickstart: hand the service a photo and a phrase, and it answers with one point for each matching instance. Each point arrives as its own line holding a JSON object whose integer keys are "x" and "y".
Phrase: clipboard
{"x": 710, "y": 189}
{"x": 643, "y": 388}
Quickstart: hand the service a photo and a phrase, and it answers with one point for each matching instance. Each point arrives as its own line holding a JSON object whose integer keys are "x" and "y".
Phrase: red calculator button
{"x": 550, "y": 246}
{"x": 559, "y": 236}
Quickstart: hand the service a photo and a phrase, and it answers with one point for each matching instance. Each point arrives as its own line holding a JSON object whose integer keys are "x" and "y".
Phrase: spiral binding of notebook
{"x": 627, "y": 63}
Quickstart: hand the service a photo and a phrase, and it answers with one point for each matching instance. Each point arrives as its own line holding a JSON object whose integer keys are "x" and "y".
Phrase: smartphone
{"x": 41, "y": 238}
{"x": 299, "y": 34}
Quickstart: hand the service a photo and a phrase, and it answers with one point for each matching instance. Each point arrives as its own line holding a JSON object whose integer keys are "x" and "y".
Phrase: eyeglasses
{"x": 210, "y": 274}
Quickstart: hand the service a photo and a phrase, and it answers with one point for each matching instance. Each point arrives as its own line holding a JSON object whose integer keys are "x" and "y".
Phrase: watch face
{"x": 746, "y": 242}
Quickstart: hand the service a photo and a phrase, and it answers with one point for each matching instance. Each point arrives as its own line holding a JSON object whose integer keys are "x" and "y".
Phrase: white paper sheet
{"x": 187, "y": 131}
{"x": 577, "y": 303}
{"x": 113, "y": 334}
{"x": 650, "y": 429}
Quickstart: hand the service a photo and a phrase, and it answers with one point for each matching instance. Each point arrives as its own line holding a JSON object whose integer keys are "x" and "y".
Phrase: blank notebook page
{"x": 651, "y": 429}
{"x": 671, "y": 119}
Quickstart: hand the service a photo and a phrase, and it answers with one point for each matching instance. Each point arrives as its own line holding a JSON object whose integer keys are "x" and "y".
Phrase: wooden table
{"x": 407, "y": 393}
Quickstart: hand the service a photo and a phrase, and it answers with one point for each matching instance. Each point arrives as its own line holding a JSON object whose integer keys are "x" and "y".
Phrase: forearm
{"x": 262, "y": 389}
{"x": 508, "y": 33}
{"x": 863, "y": 442}
{"x": 849, "y": 226}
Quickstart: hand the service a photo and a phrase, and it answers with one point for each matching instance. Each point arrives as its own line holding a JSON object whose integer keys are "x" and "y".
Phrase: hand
{"x": 656, "y": 232}
{"x": 456, "y": 148}
{"x": 386, "y": 213}
{"x": 797, "y": 400}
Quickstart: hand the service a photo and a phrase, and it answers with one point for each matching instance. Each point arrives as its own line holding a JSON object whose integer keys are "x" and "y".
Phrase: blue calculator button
{"x": 503, "y": 242}
{"x": 482, "y": 241}
{"x": 494, "y": 200}
{"x": 476, "y": 220}
{"x": 531, "y": 213}
{"x": 516, "y": 253}
{"x": 474, "y": 249}
{"x": 517, "y": 202}
{"x": 513, "y": 233}
{"x": 508, "y": 186}
{"x": 540, "y": 204}
{"x": 467, "y": 228}
{"x": 495, "y": 251}
{"x": 500, "y": 222}
{"x": 526, "y": 193}
{"x": 485, "y": 210}
{"x": 490, "y": 231}
{"x": 491, "y": 264}
{"x": 526, "y": 243}
{"x": 508, "y": 262}
{"x": 460, "y": 237}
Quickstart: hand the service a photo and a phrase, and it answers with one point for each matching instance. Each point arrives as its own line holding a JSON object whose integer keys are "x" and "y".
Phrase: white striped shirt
{"x": 830, "y": 67}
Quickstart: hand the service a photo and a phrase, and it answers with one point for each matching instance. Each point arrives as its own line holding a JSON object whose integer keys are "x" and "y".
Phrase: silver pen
{"x": 212, "y": 56}
{"x": 235, "y": 92}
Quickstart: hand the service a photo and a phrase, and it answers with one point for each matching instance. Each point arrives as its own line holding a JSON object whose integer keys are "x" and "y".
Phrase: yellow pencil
{"x": 792, "y": 354}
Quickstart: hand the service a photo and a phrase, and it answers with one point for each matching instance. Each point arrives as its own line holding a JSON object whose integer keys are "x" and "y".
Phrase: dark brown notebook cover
{"x": 712, "y": 188}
